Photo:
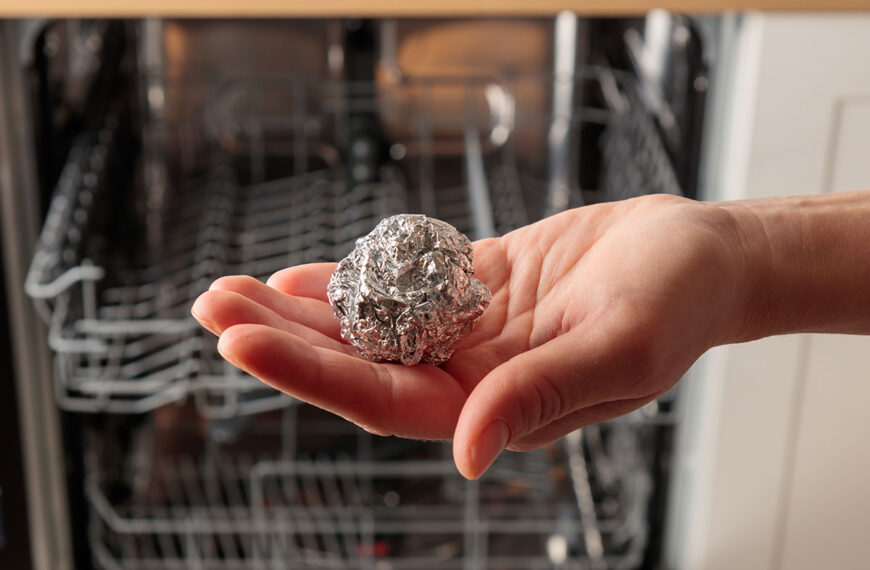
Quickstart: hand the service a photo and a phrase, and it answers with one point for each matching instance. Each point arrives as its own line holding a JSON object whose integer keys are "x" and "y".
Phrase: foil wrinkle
{"x": 407, "y": 292}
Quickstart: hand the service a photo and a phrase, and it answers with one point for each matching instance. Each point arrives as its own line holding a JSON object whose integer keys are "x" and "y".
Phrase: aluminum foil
{"x": 407, "y": 291}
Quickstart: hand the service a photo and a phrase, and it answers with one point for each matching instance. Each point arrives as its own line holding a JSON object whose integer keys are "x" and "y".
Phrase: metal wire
{"x": 362, "y": 505}
{"x": 118, "y": 314}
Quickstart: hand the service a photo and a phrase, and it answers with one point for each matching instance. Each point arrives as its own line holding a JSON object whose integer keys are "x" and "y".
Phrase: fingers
{"x": 420, "y": 402}
{"x": 490, "y": 265}
{"x": 308, "y": 280}
{"x": 576, "y": 420}
{"x": 307, "y": 311}
{"x": 572, "y": 372}
{"x": 219, "y": 310}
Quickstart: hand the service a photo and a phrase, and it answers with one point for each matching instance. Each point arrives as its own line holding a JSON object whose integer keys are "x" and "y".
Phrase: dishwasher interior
{"x": 176, "y": 152}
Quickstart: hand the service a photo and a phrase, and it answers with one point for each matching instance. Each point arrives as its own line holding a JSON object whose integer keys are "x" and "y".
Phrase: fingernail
{"x": 209, "y": 325}
{"x": 225, "y": 356}
{"x": 489, "y": 444}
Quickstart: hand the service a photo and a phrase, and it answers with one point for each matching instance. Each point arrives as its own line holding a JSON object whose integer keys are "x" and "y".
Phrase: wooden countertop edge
{"x": 388, "y": 8}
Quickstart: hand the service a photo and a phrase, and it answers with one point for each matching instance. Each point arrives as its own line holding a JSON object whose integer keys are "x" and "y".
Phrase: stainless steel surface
{"x": 476, "y": 49}
{"x": 41, "y": 444}
{"x": 407, "y": 292}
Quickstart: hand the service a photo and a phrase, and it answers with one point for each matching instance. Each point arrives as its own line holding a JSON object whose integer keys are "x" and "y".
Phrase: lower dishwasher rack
{"x": 350, "y": 500}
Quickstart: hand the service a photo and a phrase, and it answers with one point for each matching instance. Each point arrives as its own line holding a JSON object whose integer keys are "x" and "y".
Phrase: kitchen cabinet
{"x": 774, "y": 462}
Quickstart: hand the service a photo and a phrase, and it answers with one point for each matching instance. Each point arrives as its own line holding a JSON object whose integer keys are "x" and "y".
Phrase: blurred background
{"x": 142, "y": 157}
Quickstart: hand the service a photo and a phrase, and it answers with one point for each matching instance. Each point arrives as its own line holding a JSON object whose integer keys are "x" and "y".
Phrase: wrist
{"x": 806, "y": 264}
{"x": 749, "y": 267}
{"x": 767, "y": 239}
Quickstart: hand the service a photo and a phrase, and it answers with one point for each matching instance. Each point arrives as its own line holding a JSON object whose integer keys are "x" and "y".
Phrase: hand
{"x": 595, "y": 312}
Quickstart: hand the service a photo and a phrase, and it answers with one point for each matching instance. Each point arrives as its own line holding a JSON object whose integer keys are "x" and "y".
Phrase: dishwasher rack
{"x": 251, "y": 176}
{"x": 358, "y": 501}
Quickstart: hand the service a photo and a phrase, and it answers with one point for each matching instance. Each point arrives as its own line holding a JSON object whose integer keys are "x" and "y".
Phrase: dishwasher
{"x": 167, "y": 153}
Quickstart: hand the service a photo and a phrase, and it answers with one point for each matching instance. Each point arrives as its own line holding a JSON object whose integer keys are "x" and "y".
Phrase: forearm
{"x": 807, "y": 263}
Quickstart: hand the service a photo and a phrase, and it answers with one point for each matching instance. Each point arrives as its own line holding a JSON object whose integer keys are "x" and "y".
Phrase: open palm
{"x": 595, "y": 312}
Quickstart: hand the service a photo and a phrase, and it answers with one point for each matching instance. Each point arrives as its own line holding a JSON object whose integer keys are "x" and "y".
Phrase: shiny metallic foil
{"x": 407, "y": 291}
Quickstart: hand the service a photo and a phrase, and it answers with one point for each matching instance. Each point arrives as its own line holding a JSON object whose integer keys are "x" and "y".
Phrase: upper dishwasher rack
{"x": 251, "y": 176}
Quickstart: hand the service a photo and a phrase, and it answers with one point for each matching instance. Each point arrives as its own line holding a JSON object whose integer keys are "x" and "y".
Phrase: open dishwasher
{"x": 201, "y": 164}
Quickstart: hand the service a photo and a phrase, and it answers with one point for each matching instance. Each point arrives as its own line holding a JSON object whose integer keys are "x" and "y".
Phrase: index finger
{"x": 419, "y": 402}
{"x": 309, "y": 280}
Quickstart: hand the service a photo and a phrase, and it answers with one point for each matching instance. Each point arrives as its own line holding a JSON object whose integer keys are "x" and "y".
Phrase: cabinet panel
{"x": 828, "y": 511}
{"x": 850, "y": 150}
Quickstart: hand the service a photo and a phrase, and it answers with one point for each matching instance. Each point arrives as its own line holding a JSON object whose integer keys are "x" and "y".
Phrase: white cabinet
{"x": 774, "y": 459}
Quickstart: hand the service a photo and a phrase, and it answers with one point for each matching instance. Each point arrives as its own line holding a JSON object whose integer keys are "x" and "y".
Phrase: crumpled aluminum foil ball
{"x": 407, "y": 291}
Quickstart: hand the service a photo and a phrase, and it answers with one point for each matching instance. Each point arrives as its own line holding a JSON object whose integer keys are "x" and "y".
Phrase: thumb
{"x": 533, "y": 389}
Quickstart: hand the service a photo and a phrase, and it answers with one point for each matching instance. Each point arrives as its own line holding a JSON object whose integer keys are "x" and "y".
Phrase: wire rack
{"x": 350, "y": 500}
{"x": 233, "y": 476}
{"x": 260, "y": 181}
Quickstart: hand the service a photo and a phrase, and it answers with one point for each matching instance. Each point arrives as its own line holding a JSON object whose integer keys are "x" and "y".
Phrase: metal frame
{"x": 41, "y": 443}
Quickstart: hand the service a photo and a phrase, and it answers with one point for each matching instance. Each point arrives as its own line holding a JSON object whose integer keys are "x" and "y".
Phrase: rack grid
{"x": 376, "y": 504}
{"x": 209, "y": 200}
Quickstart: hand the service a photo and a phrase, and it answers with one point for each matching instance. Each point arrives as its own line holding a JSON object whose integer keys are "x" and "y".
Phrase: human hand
{"x": 595, "y": 312}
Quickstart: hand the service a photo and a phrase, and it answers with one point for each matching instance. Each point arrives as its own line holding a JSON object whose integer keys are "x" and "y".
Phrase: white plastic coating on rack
{"x": 57, "y": 286}
{"x": 482, "y": 224}
{"x": 327, "y": 512}
{"x": 559, "y": 135}
{"x": 573, "y": 443}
